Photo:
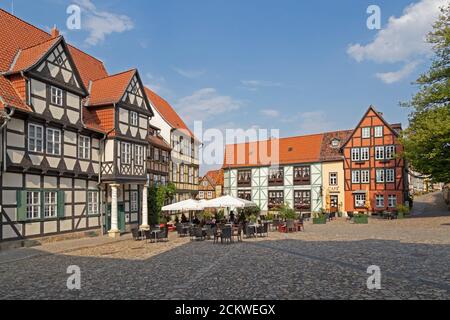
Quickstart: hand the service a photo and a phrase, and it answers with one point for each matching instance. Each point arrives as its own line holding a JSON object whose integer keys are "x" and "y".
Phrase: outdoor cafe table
{"x": 155, "y": 232}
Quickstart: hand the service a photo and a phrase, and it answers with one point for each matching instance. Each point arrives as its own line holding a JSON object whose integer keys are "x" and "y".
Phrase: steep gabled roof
{"x": 9, "y": 96}
{"x": 29, "y": 57}
{"x": 17, "y": 34}
{"x": 110, "y": 89}
{"x": 293, "y": 150}
{"x": 167, "y": 112}
{"x": 379, "y": 115}
{"x": 159, "y": 141}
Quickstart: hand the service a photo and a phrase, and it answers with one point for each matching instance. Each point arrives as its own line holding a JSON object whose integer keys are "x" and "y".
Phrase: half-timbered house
{"x": 293, "y": 178}
{"x": 211, "y": 185}
{"x": 374, "y": 169}
{"x": 77, "y": 149}
{"x": 184, "y": 165}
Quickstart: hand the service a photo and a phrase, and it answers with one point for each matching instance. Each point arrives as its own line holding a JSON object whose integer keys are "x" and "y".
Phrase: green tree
{"x": 427, "y": 140}
{"x": 158, "y": 197}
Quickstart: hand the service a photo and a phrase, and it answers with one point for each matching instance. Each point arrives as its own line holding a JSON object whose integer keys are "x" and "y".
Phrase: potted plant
{"x": 402, "y": 210}
{"x": 361, "y": 219}
{"x": 319, "y": 217}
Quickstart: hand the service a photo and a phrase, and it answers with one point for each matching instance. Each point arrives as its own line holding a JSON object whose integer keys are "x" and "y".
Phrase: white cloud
{"x": 270, "y": 112}
{"x": 404, "y": 37}
{"x": 190, "y": 74}
{"x": 206, "y": 103}
{"x": 402, "y": 40}
{"x": 395, "y": 76}
{"x": 99, "y": 23}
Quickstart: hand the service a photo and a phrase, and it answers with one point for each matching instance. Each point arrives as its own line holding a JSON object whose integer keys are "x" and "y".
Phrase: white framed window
{"x": 201, "y": 194}
{"x": 333, "y": 178}
{"x": 390, "y": 152}
{"x": 134, "y": 118}
{"x": 379, "y": 153}
{"x": 134, "y": 201}
{"x": 35, "y": 137}
{"x": 139, "y": 155}
{"x": 92, "y": 202}
{"x": 356, "y": 176}
{"x": 365, "y": 176}
{"x": 50, "y": 204}
{"x": 390, "y": 175}
{"x": 53, "y": 141}
{"x": 380, "y": 176}
{"x": 56, "y": 96}
{"x": 126, "y": 153}
{"x": 33, "y": 205}
{"x": 378, "y": 131}
{"x": 379, "y": 201}
{"x": 365, "y": 154}
{"x": 365, "y": 132}
{"x": 360, "y": 200}
{"x": 335, "y": 143}
{"x": 210, "y": 194}
{"x": 84, "y": 147}
{"x": 392, "y": 201}
{"x": 355, "y": 154}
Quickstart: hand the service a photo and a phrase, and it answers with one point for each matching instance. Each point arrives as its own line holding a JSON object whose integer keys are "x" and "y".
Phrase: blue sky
{"x": 257, "y": 63}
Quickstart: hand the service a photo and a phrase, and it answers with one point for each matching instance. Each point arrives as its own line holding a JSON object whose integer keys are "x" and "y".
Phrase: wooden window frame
{"x": 276, "y": 176}
{"x": 380, "y": 134}
{"x": 392, "y": 201}
{"x": 302, "y": 203}
{"x": 275, "y": 202}
{"x": 331, "y": 178}
{"x": 125, "y": 153}
{"x": 379, "y": 201}
{"x": 357, "y": 201}
{"x": 302, "y": 175}
{"x": 92, "y": 203}
{"x": 84, "y": 147}
{"x": 50, "y": 206}
{"x": 379, "y": 153}
{"x": 363, "y": 130}
{"x": 134, "y": 119}
{"x": 35, "y": 138}
{"x": 380, "y": 176}
{"x": 244, "y": 182}
{"x": 390, "y": 173}
{"x": 354, "y": 152}
{"x": 50, "y": 132}
{"x": 56, "y": 96}
{"x": 356, "y": 181}
{"x": 245, "y": 194}
{"x": 365, "y": 173}
{"x": 134, "y": 203}
{"x": 366, "y": 152}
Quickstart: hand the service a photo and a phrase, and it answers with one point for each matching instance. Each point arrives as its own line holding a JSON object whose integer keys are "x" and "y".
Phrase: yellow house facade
{"x": 333, "y": 179}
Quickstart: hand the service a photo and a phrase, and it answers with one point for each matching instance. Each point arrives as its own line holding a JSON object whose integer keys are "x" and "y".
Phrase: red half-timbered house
{"x": 373, "y": 167}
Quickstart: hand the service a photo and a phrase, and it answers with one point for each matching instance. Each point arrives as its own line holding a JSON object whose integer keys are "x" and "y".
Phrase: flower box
{"x": 322, "y": 220}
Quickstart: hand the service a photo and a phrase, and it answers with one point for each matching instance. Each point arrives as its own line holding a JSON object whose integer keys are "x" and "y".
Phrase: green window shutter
{"x": 61, "y": 204}
{"x": 21, "y": 205}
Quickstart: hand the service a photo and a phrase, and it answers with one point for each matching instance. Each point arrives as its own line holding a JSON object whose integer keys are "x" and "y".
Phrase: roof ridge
{"x": 41, "y": 43}
{"x": 115, "y": 75}
{"x": 88, "y": 54}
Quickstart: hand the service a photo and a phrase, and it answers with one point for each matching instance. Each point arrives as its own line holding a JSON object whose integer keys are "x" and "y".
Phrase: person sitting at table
{"x": 196, "y": 221}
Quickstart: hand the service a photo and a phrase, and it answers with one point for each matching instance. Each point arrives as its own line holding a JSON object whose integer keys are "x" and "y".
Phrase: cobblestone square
{"x": 324, "y": 262}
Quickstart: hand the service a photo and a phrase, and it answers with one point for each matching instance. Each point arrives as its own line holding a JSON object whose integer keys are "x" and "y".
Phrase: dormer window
{"x": 335, "y": 143}
{"x": 133, "y": 118}
{"x": 56, "y": 96}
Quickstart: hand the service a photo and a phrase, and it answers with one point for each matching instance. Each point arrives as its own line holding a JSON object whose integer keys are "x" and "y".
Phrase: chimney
{"x": 54, "y": 32}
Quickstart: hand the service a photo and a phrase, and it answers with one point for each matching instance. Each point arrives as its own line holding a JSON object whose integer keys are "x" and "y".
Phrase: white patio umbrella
{"x": 228, "y": 202}
{"x": 186, "y": 205}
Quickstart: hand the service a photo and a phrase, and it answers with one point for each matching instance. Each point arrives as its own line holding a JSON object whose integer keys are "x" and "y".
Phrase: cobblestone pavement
{"x": 429, "y": 205}
{"x": 324, "y": 262}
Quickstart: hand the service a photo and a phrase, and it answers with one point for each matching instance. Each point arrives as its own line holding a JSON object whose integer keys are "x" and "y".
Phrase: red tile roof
{"x": 28, "y": 57}
{"x": 111, "y": 89}
{"x": 9, "y": 96}
{"x": 293, "y": 150}
{"x": 328, "y": 151}
{"x": 167, "y": 112}
{"x": 216, "y": 177}
{"x": 159, "y": 141}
